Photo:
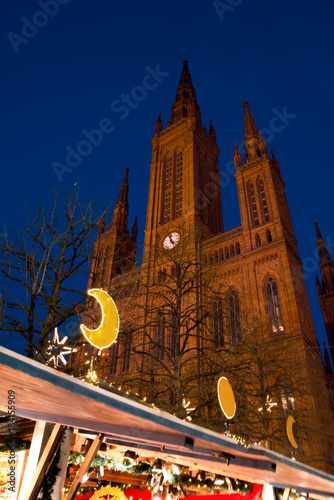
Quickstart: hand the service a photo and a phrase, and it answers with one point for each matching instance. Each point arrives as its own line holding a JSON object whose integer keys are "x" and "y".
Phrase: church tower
{"x": 184, "y": 192}
{"x": 115, "y": 250}
{"x": 326, "y": 289}
{"x": 269, "y": 240}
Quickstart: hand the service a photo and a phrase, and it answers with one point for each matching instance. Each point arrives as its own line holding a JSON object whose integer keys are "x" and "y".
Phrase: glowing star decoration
{"x": 64, "y": 352}
{"x": 226, "y": 397}
{"x": 289, "y": 423}
{"x": 269, "y": 404}
{"x": 105, "y": 334}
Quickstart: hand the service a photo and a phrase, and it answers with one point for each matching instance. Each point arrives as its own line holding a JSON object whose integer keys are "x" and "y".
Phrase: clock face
{"x": 171, "y": 241}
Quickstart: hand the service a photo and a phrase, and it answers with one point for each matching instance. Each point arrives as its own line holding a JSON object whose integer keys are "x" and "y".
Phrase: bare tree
{"x": 172, "y": 339}
{"x": 44, "y": 270}
{"x": 183, "y": 327}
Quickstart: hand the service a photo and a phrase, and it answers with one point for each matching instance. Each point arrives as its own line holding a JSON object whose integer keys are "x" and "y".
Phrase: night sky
{"x": 65, "y": 69}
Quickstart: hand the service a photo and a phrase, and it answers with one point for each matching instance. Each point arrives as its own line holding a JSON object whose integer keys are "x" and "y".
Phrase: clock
{"x": 171, "y": 241}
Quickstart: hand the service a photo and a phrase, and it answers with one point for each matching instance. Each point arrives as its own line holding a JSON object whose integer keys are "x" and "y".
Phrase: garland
{"x": 182, "y": 480}
{"x": 15, "y": 444}
{"x": 51, "y": 477}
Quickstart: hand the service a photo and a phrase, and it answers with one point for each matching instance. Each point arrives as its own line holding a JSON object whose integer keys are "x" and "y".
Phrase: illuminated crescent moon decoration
{"x": 105, "y": 334}
{"x": 226, "y": 397}
{"x": 289, "y": 423}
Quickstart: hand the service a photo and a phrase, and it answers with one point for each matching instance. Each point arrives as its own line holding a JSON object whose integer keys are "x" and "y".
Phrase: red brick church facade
{"x": 257, "y": 263}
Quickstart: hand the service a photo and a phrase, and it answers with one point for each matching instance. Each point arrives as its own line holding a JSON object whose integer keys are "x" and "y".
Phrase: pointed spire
{"x": 274, "y": 160}
{"x": 318, "y": 285}
{"x": 121, "y": 210}
{"x": 237, "y": 157}
{"x": 327, "y": 358}
{"x": 134, "y": 231}
{"x": 123, "y": 193}
{"x": 251, "y": 137}
{"x": 191, "y": 105}
{"x": 212, "y": 133}
{"x": 102, "y": 225}
{"x": 158, "y": 125}
{"x": 185, "y": 97}
{"x": 317, "y": 230}
{"x": 262, "y": 145}
{"x": 250, "y": 128}
{"x": 326, "y": 263}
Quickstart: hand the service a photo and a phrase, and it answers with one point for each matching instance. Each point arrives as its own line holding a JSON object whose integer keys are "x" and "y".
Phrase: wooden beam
{"x": 65, "y": 450}
{"x": 44, "y": 462}
{"x": 91, "y": 454}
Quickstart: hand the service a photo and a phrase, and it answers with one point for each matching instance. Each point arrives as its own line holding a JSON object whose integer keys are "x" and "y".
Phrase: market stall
{"x": 119, "y": 425}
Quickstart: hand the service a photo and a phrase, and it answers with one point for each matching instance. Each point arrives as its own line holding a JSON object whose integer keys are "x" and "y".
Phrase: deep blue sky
{"x": 65, "y": 78}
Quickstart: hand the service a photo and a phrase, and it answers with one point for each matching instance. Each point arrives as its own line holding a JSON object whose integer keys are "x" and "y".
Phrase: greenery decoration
{"x": 51, "y": 477}
{"x": 182, "y": 480}
{"x": 15, "y": 444}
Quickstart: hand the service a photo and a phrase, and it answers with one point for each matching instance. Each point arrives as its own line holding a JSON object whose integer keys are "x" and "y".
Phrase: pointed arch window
{"x": 113, "y": 358}
{"x": 178, "y": 182}
{"x": 252, "y": 203}
{"x": 234, "y": 311}
{"x": 105, "y": 266}
{"x": 269, "y": 237}
{"x": 274, "y": 305}
{"x": 126, "y": 352}
{"x": 200, "y": 172}
{"x": 160, "y": 337}
{"x": 98, "y": 268}
{"x": 227, "y": 253}
{"x": 232, "y": 251}
{"x": 263, "y": 200}
{"x": 237, "y": 248}
{"x": 257, "y": 240}
{"x": 172, "y": 335}
{"x": 168, "y": 187}
{"x": 218, "y": 324}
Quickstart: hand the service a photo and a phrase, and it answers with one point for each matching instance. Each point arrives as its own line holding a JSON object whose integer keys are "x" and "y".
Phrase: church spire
{"x": 212, "y": 133}
{"x": 121, "y": 210}
{"x": 185, "y": 99}
{"x": 134, "y": 232}
{"x": 326, "y": 263}
{"x": 237, "y": 157}
{"x": 102, "y": 225}
{"x": 158, "y": 125}
{"x": 252, "y": 146}
{"x": 123, "y": 193}
{"x": 274, "y": 159}
{"x": 250, "y": 128}
{"x": 262, "y": 145}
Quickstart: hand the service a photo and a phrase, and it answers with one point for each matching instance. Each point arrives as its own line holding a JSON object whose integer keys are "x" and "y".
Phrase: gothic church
{"x": 257, "y": 263}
